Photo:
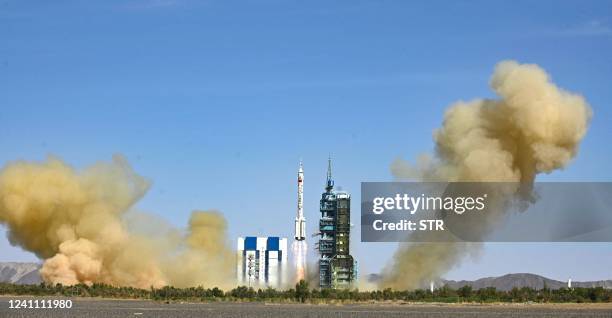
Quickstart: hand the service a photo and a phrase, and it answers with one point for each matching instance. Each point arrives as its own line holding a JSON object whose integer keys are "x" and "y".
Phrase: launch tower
{"x": 336, "y": 265}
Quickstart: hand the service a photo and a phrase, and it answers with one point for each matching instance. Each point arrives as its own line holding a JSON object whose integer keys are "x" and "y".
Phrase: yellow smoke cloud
{"x": 534, "y": 127}
{"x": 76, "y": 222}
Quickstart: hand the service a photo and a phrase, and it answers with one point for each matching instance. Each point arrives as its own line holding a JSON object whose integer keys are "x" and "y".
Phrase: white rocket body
{"x": 299, "y": 246}
{"x": 300, "y": 221}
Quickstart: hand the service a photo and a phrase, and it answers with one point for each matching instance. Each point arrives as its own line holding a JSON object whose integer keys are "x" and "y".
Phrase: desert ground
{"x": 91, "y": 307}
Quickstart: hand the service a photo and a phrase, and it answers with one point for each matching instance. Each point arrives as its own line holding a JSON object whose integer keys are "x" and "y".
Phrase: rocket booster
{"x": 300, "y": 221}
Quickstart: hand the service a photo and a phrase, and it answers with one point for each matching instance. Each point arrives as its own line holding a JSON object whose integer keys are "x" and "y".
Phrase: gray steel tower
{"x": 336, "y": 265}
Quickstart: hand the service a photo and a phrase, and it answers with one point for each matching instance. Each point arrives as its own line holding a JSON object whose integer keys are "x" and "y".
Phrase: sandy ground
{"x": 88, "y": 307}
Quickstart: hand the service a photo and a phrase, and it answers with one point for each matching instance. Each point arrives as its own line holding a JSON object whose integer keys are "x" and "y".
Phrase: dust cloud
{"x": 78, "y": 222}
{"x": 533, "y": 127}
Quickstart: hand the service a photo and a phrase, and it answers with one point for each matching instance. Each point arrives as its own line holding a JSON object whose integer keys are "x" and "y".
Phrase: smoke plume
{"x": 534, "y": 127}
{"x": 78, "y": 223}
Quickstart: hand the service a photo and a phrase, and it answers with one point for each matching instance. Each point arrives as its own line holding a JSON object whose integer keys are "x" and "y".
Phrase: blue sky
{"x": 216, "y": 101}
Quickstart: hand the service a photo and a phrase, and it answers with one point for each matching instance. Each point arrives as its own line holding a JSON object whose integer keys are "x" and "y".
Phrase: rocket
{"x": 300, "y": 221}
{"x": 299, "y": 246}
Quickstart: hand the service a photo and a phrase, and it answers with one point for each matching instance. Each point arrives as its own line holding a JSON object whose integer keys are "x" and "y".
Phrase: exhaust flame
{"x": 299, "y": 249}
{"x": 534, "y": 127}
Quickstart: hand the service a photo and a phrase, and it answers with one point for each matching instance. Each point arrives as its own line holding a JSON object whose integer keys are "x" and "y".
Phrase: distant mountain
{"x": 20, "y": 273}
{"x": 509, "y": 281}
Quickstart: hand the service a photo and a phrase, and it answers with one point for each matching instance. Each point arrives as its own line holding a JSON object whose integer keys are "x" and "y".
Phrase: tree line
{"x": 302, "y": 293}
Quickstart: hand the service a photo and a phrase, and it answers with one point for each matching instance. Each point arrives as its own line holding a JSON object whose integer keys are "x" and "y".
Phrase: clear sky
{"x": 216, "y": 101}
